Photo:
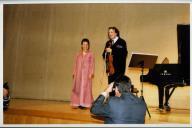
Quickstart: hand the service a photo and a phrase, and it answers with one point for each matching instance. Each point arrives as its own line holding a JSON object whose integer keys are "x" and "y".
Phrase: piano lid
{"x": 168, "y": 69}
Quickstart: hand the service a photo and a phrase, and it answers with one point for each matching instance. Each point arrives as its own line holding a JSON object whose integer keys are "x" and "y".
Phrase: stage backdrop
{"x": 40, "y": 42}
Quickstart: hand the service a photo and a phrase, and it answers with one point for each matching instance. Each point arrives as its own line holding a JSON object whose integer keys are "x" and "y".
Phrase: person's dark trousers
{"x": 115, "y": 76}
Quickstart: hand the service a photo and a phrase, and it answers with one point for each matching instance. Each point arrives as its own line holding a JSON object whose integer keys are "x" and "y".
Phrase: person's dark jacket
{"x": 6, "y": 100}
{"x": 127, "y": 109}
{"x": 119, "y": 52}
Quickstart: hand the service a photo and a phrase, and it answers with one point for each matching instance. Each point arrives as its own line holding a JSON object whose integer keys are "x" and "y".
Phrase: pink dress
{"x": 82, "y": 84}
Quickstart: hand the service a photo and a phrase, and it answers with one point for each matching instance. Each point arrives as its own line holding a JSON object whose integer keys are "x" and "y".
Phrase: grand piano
{"x": 170, "y": 76}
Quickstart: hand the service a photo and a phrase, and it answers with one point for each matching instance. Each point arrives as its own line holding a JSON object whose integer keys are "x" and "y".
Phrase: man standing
{"x": 117, "y": 48}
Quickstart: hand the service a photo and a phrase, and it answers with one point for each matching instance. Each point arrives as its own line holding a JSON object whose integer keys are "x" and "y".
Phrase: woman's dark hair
{"x": 85, "y": 40}
{"x": 116, "y": 30}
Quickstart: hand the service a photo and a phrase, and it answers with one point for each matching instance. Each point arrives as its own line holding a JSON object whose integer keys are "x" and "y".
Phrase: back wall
{"x": 41, "y": 40}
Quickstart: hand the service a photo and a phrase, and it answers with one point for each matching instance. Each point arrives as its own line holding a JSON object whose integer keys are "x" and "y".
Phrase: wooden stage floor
{"x": 24, "y": 111}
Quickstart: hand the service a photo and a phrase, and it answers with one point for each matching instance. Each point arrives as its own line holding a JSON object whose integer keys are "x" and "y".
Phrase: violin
{"x": 109, "y": 63}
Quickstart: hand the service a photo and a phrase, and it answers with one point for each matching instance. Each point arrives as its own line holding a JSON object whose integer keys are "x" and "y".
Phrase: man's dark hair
{"x": 5, "y": 86}
{"x": 85, "y": 40}
{"x": 123, "y": 84}
{"x": 116, "y": 30}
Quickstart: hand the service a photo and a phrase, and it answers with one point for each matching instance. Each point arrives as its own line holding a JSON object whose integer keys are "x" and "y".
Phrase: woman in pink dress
{"x": 82, "y": 77}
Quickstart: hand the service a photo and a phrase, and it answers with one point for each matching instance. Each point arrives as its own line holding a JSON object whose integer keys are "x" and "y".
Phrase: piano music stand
{"x": 141, "y": 60}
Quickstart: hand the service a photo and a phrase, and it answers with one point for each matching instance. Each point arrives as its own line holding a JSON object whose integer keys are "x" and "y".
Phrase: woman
{"x": 82, "y": 77}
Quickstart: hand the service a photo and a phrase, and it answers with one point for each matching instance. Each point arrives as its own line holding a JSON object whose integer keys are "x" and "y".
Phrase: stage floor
{"x": 59, "y": 112}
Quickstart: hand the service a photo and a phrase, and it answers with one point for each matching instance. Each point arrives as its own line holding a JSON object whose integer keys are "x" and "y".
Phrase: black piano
{"x": 171, "y": 76}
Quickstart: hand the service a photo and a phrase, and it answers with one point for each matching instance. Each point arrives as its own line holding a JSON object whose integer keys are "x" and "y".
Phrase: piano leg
{"x": 168, "y": 95}
{"x": 161, "y": 95}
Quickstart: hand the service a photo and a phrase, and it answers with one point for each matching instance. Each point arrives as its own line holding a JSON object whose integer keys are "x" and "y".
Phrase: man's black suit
{"x": 119, "y": 52}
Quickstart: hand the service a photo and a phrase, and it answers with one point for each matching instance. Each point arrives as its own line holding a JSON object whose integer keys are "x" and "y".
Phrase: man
{"x": 6, "y": 97}
{"x": 117, "y": 47}
{"x": 123, "y": 108}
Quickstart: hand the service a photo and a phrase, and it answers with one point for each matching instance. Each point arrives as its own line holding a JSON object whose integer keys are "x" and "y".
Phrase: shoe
{"x": 81, "y": 107}
{"x": 160, "y": 108}
{"x": 167, "y": 108}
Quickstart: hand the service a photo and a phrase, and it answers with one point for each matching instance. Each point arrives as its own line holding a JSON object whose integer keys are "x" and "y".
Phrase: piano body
{"x": 171, "y": 76}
